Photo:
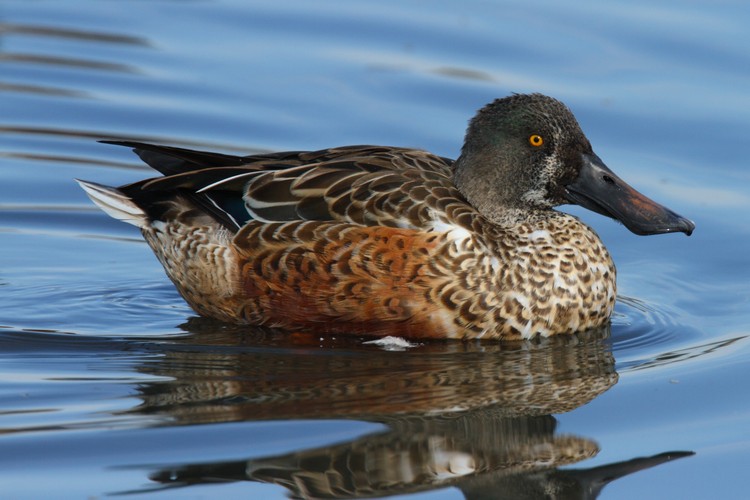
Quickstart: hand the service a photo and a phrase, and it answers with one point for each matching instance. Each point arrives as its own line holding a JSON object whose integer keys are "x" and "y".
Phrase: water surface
{"x": 110, "y": 385}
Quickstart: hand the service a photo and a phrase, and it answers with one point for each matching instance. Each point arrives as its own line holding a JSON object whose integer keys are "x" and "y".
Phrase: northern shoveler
{"x": 374, "y": 240}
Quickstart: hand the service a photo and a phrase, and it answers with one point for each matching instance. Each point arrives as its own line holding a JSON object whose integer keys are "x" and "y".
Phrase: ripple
{"x": 99, "y": 309}
{"x": 643, "y": 332}
{"x": 640, "y": 324}
{"x": 43, "y": 31}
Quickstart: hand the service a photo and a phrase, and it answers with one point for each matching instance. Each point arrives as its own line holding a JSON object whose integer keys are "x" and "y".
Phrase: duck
{"x": 380, "y": 241}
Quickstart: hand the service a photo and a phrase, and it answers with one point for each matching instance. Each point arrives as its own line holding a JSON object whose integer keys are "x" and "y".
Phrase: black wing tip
{"x": 127, "y": 144}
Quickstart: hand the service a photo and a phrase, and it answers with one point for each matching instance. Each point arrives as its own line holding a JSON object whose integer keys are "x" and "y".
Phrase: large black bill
{"x": 600, "y": 190}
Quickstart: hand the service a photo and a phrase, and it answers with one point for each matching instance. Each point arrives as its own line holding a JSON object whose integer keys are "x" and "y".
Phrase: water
{"x": 110, "y": 385}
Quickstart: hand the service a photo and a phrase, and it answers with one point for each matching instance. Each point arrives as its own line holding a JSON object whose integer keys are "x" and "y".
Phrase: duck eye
{"x": 536, "y": 140}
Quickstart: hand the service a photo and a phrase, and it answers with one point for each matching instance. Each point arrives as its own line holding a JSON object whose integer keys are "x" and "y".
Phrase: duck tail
{"x": 115, "y": 203}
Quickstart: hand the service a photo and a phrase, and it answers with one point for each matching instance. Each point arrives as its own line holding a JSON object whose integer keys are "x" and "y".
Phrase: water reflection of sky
{"x": 660, "y": 89}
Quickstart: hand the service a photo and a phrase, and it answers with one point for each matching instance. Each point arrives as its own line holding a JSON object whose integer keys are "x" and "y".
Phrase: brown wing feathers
{"x": 368, "y": 185}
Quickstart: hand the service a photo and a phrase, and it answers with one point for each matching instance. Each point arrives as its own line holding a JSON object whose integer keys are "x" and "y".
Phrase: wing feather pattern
{"x": 365, "y": 185}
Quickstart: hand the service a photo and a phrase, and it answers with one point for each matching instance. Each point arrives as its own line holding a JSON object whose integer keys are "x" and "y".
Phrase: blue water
{"x": 109, "y": 384}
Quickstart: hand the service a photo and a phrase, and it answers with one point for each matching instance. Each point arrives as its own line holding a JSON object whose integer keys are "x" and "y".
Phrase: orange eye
{"x": 536, "y": 140}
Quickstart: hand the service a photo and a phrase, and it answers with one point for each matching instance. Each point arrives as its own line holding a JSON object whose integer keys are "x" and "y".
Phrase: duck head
{"x": 527, "y": 152}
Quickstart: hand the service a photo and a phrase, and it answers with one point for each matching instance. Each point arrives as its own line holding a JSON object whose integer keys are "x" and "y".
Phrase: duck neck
{"x": 492, "y": 191}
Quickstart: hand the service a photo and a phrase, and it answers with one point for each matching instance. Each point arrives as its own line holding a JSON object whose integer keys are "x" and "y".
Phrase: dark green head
{"x": 527, "y": 152}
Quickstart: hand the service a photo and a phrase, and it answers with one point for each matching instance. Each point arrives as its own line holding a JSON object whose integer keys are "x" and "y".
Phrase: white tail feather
{"x": 115, "y": 203}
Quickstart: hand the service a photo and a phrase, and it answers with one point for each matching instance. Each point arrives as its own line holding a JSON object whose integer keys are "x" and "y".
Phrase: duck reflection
{"x": 468, "y": 415}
